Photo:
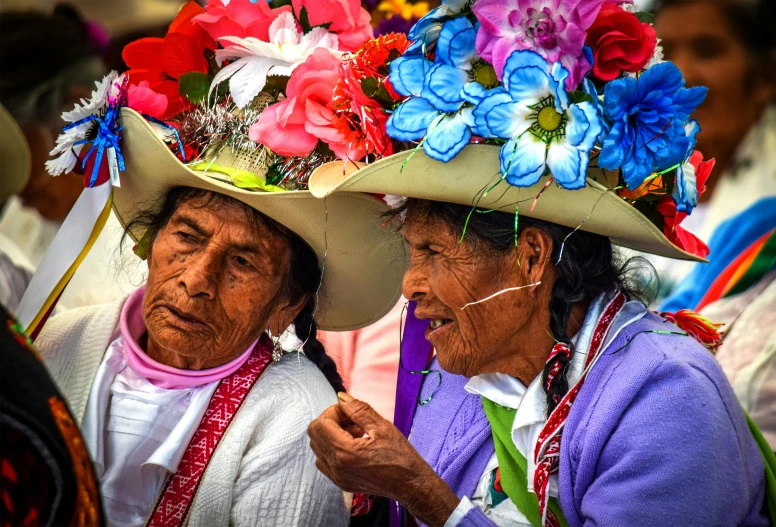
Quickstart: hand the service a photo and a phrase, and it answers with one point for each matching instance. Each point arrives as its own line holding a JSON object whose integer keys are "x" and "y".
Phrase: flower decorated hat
{"x": 247, "y": 101}
{"x": 561, "y": 110}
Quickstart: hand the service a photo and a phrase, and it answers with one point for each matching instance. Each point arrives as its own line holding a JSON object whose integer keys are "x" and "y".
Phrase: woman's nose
{"x": 415, "y": 283}
{"x": 200, "y": 276}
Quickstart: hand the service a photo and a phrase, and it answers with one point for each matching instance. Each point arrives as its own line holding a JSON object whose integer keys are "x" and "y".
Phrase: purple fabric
{"x": 414, "y": 357}
{"x": 461, "y": 454}
{"x": 451, "y": 431}
{"x": 659, "y": 421}
{"x": 476, "y": 518}
{"x": 656, "y": 437}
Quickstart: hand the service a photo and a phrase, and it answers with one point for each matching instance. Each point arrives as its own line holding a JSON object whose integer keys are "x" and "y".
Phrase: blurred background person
{"x": 730, "y": 46}
{"x": 62, "y": 60}
{"x": 15, "y": 269}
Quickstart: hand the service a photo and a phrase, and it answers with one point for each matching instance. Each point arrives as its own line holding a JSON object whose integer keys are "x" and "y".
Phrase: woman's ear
{"x": 535, "y": 253}
{"x": 285, "y": 315}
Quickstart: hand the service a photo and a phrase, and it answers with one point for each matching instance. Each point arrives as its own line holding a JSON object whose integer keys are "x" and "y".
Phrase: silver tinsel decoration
{"x": 212, "y": 129}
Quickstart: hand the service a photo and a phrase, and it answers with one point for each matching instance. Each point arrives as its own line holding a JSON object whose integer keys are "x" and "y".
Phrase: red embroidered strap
{"x": 547, "y": 451}
{"x": 175, "y": 500}
{"x": 362, "y": 504}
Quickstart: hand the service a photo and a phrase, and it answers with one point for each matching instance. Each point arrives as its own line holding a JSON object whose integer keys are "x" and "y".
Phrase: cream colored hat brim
{"x": 476, "y": 168}
{"x": 15, "y": 157}
{"x": 364, "y": 262}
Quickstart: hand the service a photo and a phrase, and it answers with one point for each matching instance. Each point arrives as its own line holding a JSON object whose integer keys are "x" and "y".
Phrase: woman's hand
{"x": 362, "y": 452}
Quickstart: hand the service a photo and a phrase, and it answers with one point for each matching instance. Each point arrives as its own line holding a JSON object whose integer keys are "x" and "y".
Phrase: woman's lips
{"x": 184, "y": 319}
{"x": 438, "y": 326}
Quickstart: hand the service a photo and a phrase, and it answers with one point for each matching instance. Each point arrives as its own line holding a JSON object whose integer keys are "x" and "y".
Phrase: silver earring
{"x": 277, "y": 347}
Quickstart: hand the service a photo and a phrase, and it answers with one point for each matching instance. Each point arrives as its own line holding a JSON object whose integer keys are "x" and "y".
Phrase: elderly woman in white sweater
{"x": 193, "y": 410}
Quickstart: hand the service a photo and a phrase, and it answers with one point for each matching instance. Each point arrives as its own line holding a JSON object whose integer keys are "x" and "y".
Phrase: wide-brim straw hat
{"x": 363, "y": 262}
{"x": 594, "y": 208}
{"x": 15, "y": 156}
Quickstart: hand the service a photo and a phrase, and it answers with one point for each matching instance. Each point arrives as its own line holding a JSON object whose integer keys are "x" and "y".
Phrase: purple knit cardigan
{"x": 655, "y": 437}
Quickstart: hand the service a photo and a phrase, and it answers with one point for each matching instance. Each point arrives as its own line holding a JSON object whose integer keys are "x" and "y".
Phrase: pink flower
{"x": 238, "y": 18}
{"x": 144, "y": 100}
{"x": 348, "y": 19}
{"x": 555, "y": 29}
{"x": 293, "y": 126}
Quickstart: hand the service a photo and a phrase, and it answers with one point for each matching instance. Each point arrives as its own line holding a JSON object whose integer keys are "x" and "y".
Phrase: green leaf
{"x": 382, "y": 96}
{"x": 194, "y": 86}
{"x": 304, "y": 20}
{"x": 369, "y": 86}
{"x": 576, "y": 97}
{"x": 644, "y": 16}
{"x": 326, "y": 25}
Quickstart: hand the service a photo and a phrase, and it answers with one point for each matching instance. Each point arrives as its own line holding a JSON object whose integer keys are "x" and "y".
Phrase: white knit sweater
{"x": 263, "y": 472}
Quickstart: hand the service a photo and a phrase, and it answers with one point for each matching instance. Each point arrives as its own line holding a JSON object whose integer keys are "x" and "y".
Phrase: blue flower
{"x": 544, "y": 130}
{"x": 438, "y": 92}
{"x": 426, "y": 31}
{"x": 685, "y": 192}
{"x": 647, "y": 117}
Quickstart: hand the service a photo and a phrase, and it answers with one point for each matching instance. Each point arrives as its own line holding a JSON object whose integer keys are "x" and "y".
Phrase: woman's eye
{"x": 185, "y": 236}
{"x": 242, "y": 262}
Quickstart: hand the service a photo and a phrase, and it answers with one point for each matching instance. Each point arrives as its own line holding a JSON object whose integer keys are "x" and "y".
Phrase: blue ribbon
{"x": 108, "y": 136}
{"x": 174, "y": 131}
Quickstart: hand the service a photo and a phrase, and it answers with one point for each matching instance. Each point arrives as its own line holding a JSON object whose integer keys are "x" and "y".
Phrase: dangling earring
{"x": 277, "y": 347}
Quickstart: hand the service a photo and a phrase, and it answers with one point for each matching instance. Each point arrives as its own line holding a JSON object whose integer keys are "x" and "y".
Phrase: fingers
{"x": 360, "y": 413}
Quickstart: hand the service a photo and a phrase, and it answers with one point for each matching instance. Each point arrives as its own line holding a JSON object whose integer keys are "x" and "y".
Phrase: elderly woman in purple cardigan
{"x": 651, "y": 430}
{"x": 564, "y": 400}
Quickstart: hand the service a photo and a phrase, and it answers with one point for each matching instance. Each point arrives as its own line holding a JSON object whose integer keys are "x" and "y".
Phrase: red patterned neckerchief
{"x": 547, "y": 451}
{"x": 174, "y": 502}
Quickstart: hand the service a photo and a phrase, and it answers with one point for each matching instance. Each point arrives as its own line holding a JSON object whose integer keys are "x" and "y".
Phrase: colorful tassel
{"x": 697, "y": 326}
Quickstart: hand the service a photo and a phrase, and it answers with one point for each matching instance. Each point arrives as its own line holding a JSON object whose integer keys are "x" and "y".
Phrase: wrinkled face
{"x": 495, "y": 335}
{"x": 699, "y": 39}
{"x": 215, "y": 282}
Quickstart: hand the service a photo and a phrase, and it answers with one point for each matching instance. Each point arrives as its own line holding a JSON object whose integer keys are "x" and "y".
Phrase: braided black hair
{"x": 302, "y": 279}
{"x": 588, "y": 268}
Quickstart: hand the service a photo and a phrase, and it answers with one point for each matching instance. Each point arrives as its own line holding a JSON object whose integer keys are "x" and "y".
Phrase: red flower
{"x": 680, "y": 237}
{"x": 619, "y": 42}
{"x": 362, "y": 114}
{"x": 238, "y": 18}
{"x": 348, "y": 19}
{"x": 161, "y": 61}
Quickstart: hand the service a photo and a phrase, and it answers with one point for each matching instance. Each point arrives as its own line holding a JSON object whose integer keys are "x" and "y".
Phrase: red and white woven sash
{"x": 178, "y": 493}
{"x": 547, "y": 451}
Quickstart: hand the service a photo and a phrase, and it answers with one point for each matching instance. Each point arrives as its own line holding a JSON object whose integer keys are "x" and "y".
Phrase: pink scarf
{"x": 133, "y": 327}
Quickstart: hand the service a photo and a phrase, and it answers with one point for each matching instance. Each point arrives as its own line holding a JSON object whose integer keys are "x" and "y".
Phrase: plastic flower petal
{"x": 255, "y": 59}
{"x": 523, "y": 160}
{"x": 425, "y": 32}
{"x": 647, "y": 118}
{"x": 66, "y": 148}
{"x": 447, "y": 136}
{"x": 411, "y": 120}
{"x": 439, "y": 93}
{"x": 552, "y": 28}
{"x": 407, "y": 74}
{"x": 238, "y": 18}
{"x": 544, "y": 131}
{"x": 146, "y": 101}
{"x": 691, "y": 180}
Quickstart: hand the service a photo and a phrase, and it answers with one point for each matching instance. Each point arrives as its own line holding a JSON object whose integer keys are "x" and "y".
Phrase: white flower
{"x": 66, "y": 149}
{"x": 256, "y": 59}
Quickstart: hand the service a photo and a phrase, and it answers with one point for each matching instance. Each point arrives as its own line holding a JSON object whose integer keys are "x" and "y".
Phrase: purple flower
{"x": 555, "y": 29}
